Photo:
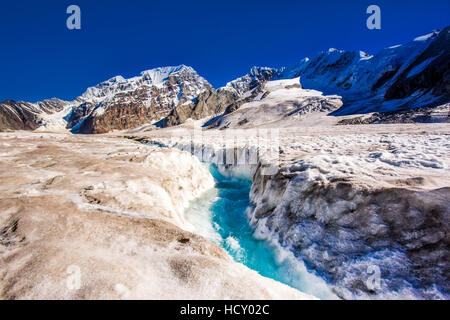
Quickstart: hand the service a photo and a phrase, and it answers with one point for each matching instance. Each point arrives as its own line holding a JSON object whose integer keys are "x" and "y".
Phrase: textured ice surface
{"x": 349, "y": 204}
{"x": 84, "y": 217}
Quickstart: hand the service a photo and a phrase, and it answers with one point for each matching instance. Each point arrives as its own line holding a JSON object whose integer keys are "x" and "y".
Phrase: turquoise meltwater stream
{"x": 220, "y": 216}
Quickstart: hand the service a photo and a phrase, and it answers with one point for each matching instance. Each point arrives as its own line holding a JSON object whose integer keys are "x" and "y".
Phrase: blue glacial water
{"x": 220, "y": 216}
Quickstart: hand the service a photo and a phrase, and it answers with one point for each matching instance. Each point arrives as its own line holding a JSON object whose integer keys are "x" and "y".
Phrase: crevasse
{"x": 220, "y": 215}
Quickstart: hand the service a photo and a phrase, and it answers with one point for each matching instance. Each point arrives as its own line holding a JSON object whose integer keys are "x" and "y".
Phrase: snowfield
{"x": 281, "y": 103}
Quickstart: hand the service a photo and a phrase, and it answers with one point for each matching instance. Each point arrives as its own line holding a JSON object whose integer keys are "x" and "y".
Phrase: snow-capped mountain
{"x": 183, "y": 80}
{"x": 402, "y": 77}
{"x": 115, "y": 104}
{"x": 120, "y": 103}
{"x": 399, "y": 78}
{"x": 394, "y": 81}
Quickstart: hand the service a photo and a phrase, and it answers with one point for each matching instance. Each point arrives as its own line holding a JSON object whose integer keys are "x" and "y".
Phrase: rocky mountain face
{"x": 22, "y": 115}
{"x": 430, "y": 71}
{"x": 127, "y": 103}
{"x": 78, "y": 113}
{"x": 224, "y": 100}
{"x": 208, "y": 103}
{"x": 18, "y": 116}
{"x": 253, "y": 79}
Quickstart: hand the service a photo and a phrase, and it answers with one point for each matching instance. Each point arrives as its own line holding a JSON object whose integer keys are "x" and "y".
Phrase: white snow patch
{"x": 425, "y": 37}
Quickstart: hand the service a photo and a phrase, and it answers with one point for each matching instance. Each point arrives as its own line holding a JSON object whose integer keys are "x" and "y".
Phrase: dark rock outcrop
{"x": 18, "y": 116}
{"x": 430, "y": 72}
{"x": 255, "y": 78}
{"x": 208, "y": 103}
{"x": 78, "y": 113}
{"x": 125, "y": 110}
{"x": 224, "y": 100}
{"x": 22, "y": 115}
{"x": 419, "y": 115}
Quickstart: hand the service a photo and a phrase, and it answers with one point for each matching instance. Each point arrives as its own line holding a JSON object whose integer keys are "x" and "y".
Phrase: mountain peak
{"x": 116, "y": 79}
{"x": 152, "y": 77}
{"x": 161, "y": 74}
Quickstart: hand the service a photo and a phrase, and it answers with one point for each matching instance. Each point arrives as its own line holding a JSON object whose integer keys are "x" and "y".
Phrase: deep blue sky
{"x": 40, "y": 58}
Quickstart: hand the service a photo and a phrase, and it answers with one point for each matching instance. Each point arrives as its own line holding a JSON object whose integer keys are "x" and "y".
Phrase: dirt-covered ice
{"x": 98, "y": 217}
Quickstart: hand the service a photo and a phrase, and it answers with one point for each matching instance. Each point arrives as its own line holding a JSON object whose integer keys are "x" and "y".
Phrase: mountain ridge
{"x": 398, "y": 78}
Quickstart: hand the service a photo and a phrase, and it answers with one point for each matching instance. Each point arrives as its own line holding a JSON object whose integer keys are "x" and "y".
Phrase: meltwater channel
{"x": 220, "y": 216}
